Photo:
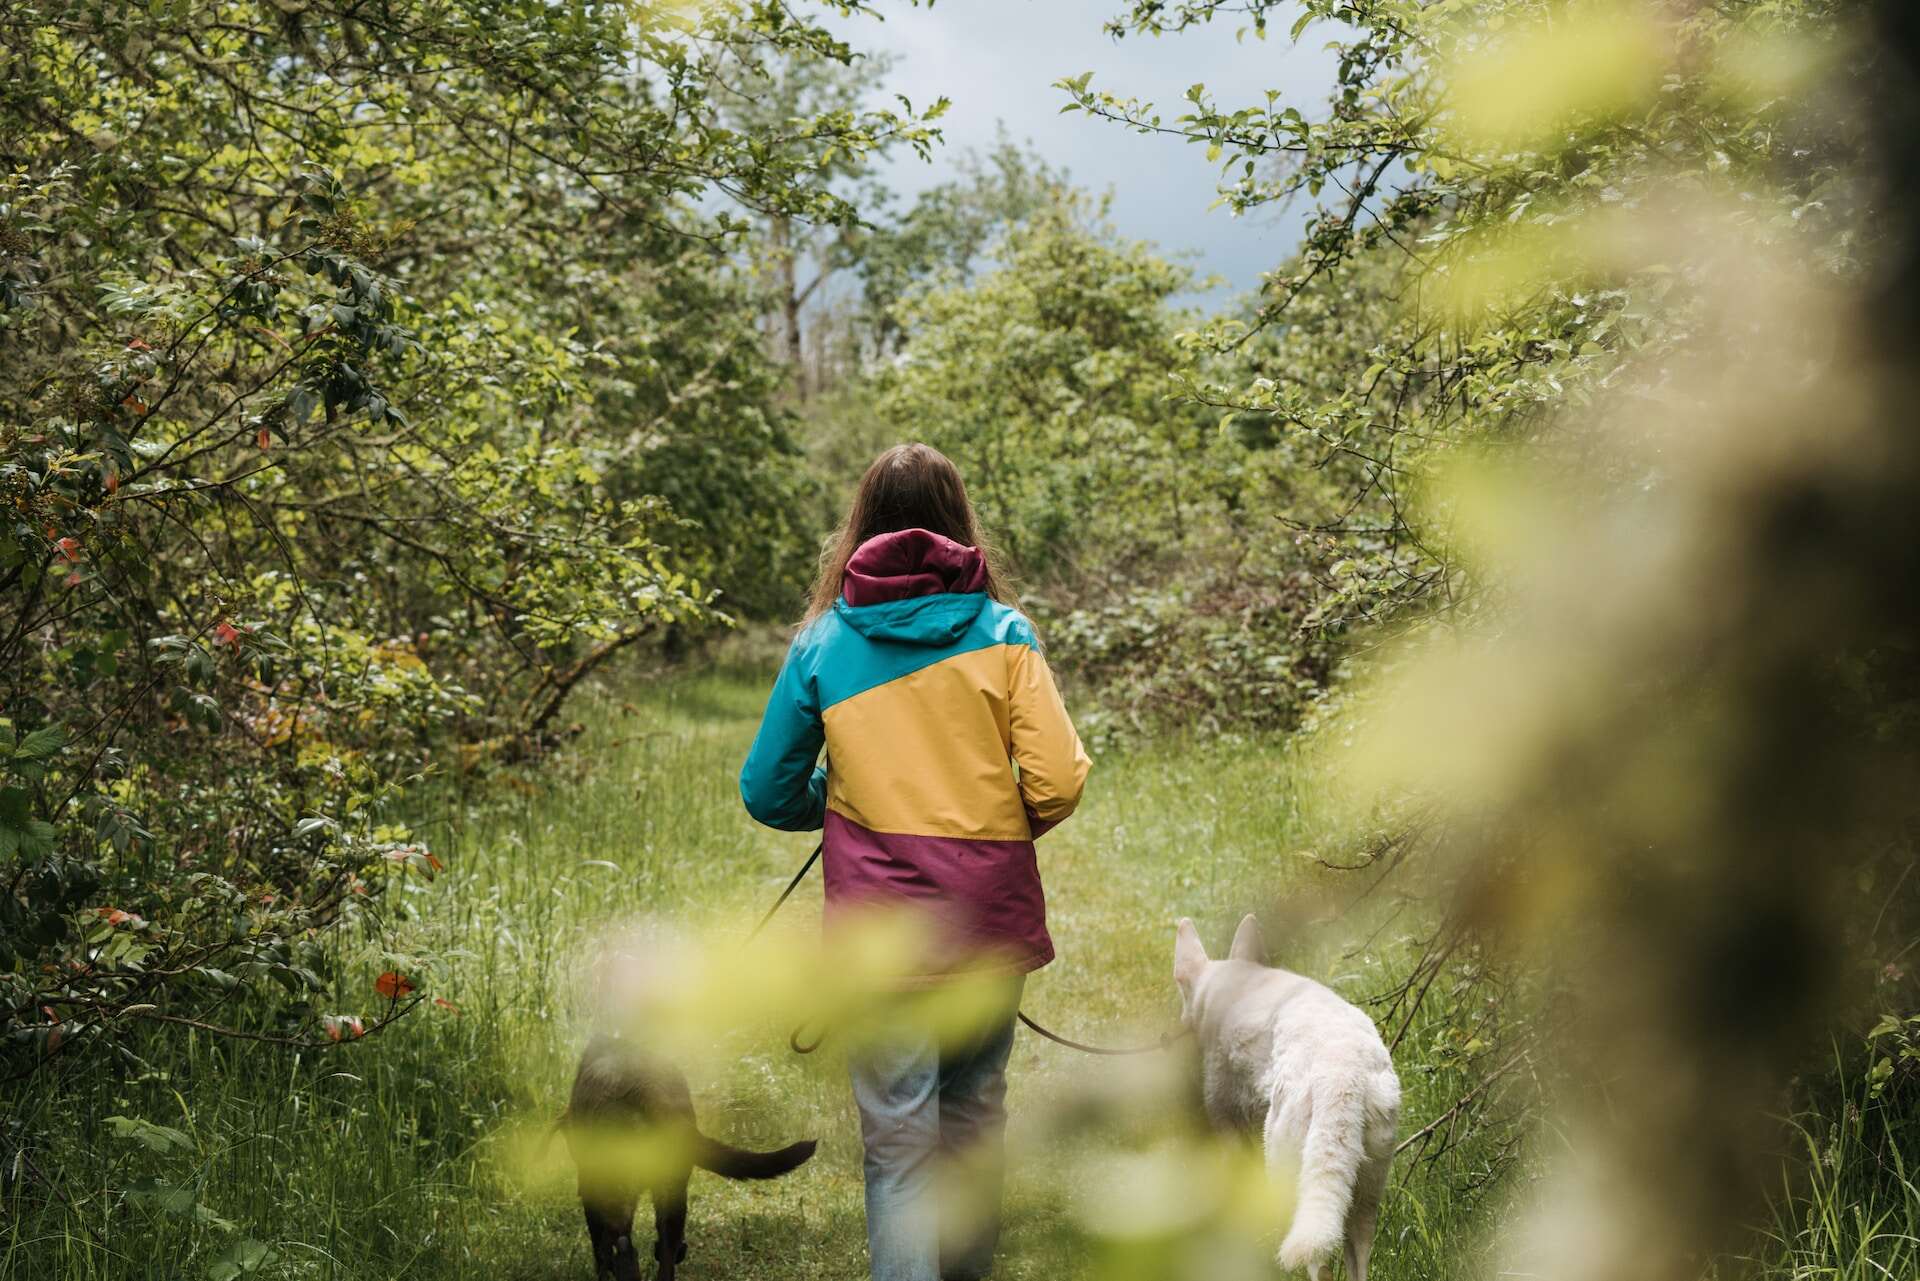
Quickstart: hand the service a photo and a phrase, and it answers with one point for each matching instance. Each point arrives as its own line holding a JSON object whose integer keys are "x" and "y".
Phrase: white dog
{"x": 1285, "y": 1056}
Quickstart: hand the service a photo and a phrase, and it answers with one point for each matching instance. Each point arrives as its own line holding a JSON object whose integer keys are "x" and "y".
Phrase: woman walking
{"x": 949, "y": 751}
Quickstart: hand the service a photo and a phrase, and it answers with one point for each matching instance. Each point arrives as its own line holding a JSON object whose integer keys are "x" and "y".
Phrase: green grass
{"x": 1850, "y": 1211}
{"x": 409, "y": 1155}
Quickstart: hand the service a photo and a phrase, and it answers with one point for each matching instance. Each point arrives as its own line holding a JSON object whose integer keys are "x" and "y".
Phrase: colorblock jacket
{"x": 948, "y": 749}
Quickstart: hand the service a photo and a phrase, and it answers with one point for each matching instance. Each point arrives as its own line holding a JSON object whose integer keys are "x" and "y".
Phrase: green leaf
{"x": 41, "y": 743}
{"x": 243, "y": 1258}
{"x": 36, "y": 838}
{"x": 156, "y": 1138}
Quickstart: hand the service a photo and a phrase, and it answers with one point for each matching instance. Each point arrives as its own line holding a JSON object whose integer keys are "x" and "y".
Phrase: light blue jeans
{"x": 933, "y": 1119}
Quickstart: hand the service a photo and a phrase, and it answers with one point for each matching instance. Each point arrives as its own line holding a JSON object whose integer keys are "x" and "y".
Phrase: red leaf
{"x": 69, "y": 548}
{"x": 226, "y": 633}
{"x": 435, "y": 863}
{"x": 445, "y": 1004}
{"x": 113, "y": 482}
{"x": 343, "y": 1027}
{"x": 265, "y": 438}
{"x": 73, "y": 579}
{"x": 393, "y": 985}
{"x": 136, "y": 344}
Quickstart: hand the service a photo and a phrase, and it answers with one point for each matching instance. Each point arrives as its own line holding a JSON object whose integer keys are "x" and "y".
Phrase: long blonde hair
{"x": 910, "y": 486}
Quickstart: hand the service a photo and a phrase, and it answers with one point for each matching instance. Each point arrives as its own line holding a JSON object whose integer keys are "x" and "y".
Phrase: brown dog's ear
{"x": 1189, "y": 956}
{"x": 1247, "y": 944}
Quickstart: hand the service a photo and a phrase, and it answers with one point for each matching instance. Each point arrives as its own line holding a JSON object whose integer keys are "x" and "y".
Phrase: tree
{"x": 348, "y": 350}
{"x": 947, "y": 231}
{"x": 1132, "y": 515}
{"x": 808, "y": 85}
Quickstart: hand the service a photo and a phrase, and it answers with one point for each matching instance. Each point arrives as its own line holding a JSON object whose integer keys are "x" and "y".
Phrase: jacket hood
{"x": 913, "y": 585}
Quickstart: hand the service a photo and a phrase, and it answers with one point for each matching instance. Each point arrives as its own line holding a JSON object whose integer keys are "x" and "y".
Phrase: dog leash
{"x": 787, "y": 893}
{"x": 798, "y": 1046}
{"x": 1166, "y": 1039}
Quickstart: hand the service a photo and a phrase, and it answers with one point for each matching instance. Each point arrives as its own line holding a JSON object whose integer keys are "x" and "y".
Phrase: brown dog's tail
{"x": 730, "y": 1162}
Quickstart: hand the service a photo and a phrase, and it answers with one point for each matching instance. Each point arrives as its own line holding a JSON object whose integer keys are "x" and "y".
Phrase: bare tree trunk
{"x": 790, "y": 300}
{"x": 550, "y": 694}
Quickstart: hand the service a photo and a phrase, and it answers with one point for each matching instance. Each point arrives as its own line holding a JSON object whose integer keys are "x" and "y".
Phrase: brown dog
{"x": 631, "y": 1130}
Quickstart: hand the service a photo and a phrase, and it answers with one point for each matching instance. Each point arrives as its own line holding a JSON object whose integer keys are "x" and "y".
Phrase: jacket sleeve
{"x": 1053, "y": 765}
{"x": 780, "y": 783}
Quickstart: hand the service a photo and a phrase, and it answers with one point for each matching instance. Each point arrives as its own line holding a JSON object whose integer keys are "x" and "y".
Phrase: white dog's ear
{"x": 1247, "y": 944}
{"x": 1189, "y": 956}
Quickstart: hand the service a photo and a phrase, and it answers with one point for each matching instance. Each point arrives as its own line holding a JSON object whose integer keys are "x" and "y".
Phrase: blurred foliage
{"x": 1601, "y": 313}
{"x": 1437, "y": 300}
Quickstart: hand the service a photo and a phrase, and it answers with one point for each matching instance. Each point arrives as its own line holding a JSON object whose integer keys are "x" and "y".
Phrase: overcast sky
{"x": 997, "y": 60}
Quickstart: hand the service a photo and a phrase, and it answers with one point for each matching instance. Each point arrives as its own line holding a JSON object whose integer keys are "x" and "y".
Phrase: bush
{"x": 350, "y": 416}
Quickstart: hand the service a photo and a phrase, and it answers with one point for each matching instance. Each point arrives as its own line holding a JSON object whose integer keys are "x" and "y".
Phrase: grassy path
{"x": 409, "y": 1156}
{"x": 1157, "y": 836}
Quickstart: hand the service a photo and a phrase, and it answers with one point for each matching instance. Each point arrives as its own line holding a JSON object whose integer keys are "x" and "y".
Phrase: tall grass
{"x": 1849, "y": 1209}
{"x": 418, "y": 1153}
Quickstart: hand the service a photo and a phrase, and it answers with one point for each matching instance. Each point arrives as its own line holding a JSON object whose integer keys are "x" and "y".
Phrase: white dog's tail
{"x": 1329, "y": 1163}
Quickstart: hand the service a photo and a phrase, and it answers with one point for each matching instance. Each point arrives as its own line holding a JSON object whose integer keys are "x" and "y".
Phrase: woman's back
{"x": 927, "y": 694}
{"x": 948, "y": 751}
